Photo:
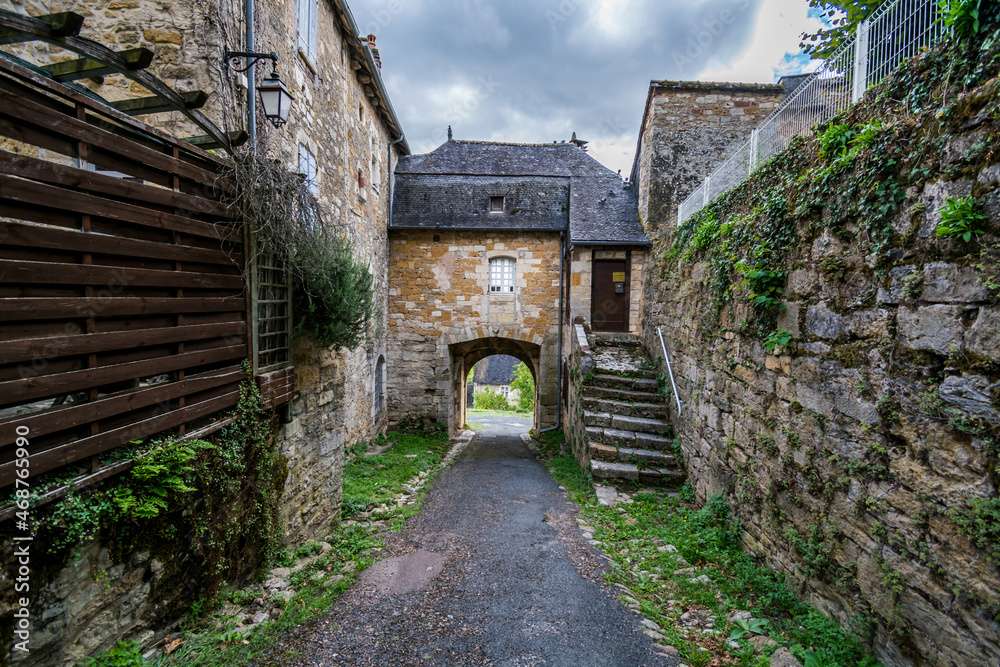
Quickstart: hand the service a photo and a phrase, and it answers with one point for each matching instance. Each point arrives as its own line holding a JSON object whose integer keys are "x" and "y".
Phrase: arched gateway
{"x": 491, "y": 248}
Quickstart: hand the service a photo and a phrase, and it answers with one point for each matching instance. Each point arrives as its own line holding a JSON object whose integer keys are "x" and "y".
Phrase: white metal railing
{"x": 895, "y": 32}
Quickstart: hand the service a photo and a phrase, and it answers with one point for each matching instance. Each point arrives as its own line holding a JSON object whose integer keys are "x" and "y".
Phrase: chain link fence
{"x": 897, "y": 31}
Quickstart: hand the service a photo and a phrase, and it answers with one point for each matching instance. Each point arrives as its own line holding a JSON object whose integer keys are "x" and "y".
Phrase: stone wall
{"x": 685, "y": 131}
{"x": 580, "y": 362}
{"x": 848, "y": 454}
{"x": 581, "y": 282}
{"x": 442, "y": 317}
{"x": 335, "y": 118}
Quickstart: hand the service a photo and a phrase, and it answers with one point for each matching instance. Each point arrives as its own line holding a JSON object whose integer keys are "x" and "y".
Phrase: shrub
{"x": 333, "y": 297}
{"x": 490, "y": 399}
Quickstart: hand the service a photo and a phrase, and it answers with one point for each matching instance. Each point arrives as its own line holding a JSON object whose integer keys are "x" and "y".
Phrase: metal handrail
{"x": 670, "y": 371}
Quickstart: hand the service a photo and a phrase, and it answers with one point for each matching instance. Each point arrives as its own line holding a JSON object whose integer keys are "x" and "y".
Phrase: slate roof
{"x": 463, "y": 202}
{"x": 601, "y": 209}
{"x": 498, "y": 369}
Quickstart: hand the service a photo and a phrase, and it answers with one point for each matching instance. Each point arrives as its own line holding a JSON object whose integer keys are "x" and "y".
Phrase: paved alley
{"x": 493, "y": 571}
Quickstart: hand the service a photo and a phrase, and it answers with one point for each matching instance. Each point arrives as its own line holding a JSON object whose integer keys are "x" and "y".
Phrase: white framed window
{"x": 307, "y": 167}
{"x": 496, "y": 204}
{"x": 502, "y": 275}
{"x": 307, "y": 16}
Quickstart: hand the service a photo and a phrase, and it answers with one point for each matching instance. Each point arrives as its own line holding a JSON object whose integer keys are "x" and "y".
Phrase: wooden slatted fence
{"x": 123, "y": 309}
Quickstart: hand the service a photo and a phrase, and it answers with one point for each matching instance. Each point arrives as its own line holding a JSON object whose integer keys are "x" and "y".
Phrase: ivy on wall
{"x": 856, "y": 182}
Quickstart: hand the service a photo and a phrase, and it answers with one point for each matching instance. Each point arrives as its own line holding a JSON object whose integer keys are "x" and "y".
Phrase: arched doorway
{"x": 467, "y": 354}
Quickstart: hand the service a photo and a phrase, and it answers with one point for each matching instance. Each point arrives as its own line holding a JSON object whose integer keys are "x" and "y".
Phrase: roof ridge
{"x": 506, "y": 143}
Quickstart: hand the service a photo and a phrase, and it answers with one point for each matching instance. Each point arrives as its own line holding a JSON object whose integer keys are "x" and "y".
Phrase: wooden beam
{"x": 237, "y": 138}
{"x": 87, "y": 68}
{"x": 194, "y": 99}
{"x": 91, "y": 49}
{"x": 62, "y": 24}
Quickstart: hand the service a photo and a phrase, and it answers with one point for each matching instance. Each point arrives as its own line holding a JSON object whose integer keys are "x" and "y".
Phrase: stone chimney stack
{"x": 374, "y": 49}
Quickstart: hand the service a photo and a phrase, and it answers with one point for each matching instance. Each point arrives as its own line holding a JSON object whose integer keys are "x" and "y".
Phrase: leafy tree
{"x": 844, "y": 16}
{"x": 525, "y": 385}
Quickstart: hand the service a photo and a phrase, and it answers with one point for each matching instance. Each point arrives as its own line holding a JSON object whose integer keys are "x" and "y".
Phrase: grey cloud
{"x": 534, "y": 70}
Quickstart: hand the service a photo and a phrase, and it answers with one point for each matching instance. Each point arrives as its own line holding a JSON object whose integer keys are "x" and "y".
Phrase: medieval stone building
{"x": 492, "y": 246}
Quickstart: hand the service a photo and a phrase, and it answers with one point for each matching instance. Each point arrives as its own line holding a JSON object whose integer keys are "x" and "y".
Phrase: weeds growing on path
{"x": 677, "y": 560}
{"x": 371, "y": 487}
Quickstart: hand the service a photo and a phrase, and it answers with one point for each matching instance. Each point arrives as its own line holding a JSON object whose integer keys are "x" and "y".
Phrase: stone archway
{"x": 467, "y": 354}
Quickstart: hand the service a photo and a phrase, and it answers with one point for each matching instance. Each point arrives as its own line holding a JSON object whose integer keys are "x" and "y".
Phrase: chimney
{"x": 374, "y": 50}
{"x": 449, "y": 133}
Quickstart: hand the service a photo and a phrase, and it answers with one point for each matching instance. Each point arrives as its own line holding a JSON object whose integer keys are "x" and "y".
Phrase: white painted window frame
{"x": 503, "y": 272}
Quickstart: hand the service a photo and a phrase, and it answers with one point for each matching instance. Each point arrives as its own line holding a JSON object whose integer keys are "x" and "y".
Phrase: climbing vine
{"x": 220, "y": 497}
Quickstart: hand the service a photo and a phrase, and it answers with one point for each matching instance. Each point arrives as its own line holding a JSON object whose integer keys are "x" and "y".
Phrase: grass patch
{"x": 373, "y": 482}
{"x": 369, "y": 482}
{"x": 656, "y": 535}
{"x": 497, "y": 413}
{"x": 474, "y": 426}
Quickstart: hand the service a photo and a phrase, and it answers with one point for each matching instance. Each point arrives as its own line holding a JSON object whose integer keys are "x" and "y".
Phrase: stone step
{"x": 624, "y": 395}
{"x": 598, "y": 339}
{"x": 607, "y": 420}
{"x": 651, "y": 457}
{"x": 628, "y": 409}
{"x": 630, "y": 384}
{"x": 632, "y": 472}
{"x": 620, "y": 438}
{"x": 635, "y": 374}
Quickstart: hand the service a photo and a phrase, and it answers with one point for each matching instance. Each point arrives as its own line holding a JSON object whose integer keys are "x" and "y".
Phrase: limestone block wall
{"x": 442, "y": 315}
{"x": 848, "y": 455}
{"x": 581, "y": 281}
{"x": 685, "y": 130}
{"x": 580, "y": 362}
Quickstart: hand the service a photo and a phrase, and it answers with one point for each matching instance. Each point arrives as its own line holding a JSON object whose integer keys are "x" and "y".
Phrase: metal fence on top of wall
{"x": 897, "y": 31}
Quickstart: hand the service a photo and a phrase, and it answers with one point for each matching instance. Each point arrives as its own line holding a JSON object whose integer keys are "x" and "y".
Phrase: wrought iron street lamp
{"x": 274, "y": 94}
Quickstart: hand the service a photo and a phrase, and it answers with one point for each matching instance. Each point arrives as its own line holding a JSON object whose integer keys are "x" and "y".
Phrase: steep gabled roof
{"x": 498, "y": 369}
{"x": 602, "y": 209}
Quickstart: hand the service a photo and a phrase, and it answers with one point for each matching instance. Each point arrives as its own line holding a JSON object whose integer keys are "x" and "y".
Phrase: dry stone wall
{"x": 861, "y": 456}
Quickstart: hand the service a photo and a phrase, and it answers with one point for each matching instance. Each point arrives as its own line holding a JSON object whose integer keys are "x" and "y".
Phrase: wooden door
{"x": 609, "y": 299}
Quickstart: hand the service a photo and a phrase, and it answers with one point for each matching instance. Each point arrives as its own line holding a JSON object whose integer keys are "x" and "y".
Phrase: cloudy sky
{"x": 538, "y": 70}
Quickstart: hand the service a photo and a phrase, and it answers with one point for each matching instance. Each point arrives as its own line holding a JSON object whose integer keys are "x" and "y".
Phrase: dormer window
{"x": 496, "y": 204}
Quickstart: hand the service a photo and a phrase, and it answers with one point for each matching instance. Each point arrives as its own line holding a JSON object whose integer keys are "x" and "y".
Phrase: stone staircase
{"x": 627, "y": 421}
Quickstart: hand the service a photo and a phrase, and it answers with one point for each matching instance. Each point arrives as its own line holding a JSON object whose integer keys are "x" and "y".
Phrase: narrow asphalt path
{"x": 493, "y": 571}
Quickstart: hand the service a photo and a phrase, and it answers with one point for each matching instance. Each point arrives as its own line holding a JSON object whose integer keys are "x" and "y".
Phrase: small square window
{"x": 496, "y": 204}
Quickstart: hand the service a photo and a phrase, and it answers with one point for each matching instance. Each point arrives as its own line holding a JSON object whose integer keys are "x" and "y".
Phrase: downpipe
{"x": 559, "y": 373}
